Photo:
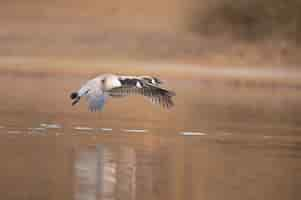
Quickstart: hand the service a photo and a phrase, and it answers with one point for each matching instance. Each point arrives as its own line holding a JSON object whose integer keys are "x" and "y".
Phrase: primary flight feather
{"x": 99, "y": 89}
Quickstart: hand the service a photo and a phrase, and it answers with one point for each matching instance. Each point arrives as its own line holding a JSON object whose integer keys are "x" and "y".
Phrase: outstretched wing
{"x": 142, "y": 86}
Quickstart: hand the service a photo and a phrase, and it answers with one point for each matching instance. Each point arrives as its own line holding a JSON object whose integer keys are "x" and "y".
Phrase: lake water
{"x": 220, "y": 141}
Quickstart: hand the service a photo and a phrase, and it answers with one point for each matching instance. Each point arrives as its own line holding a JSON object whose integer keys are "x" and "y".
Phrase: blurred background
{"x": 217, "y": 32}
{"x": 234, "y": 132}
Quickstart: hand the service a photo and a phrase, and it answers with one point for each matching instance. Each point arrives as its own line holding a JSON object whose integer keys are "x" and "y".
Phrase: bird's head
{"x": 74, "y": 96}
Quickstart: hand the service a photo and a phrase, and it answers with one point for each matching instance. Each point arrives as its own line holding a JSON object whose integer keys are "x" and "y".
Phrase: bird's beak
{"x": 75, "y": 101}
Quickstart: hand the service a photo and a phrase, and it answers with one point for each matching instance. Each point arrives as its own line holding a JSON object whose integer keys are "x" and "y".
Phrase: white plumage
{"x": 99, "y": 89}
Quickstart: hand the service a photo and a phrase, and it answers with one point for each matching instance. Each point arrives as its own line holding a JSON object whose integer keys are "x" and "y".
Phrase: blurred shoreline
{"x": 265, "y": 77}
{"x": 88, "y": 41}
{"x": 207, "y": 33}
{"x": 174, "y": 39}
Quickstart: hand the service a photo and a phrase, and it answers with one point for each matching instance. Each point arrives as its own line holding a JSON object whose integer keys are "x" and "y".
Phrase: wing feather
{"x": 156, "y": 94}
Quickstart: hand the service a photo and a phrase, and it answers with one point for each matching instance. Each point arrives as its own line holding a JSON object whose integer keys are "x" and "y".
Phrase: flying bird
{"x": 99, "y": 89}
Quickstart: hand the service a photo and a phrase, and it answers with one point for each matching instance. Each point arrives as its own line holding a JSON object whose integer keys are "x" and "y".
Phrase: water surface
{"x": 220, "y": 141}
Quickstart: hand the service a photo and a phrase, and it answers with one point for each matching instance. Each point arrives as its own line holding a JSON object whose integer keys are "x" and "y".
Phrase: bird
{"x": 99, "y": 89}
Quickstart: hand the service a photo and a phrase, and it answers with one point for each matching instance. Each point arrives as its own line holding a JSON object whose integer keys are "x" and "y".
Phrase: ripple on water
{"x": 37, "y": 129}
{"x": 189, "y": 133}
{"x": 105, "y": 129}
{"x": 35, "y": 132}
{"x": 82, "y": 128}
{"x": 50, "y": 126}
{"x": 14, "y": 132}
{"x": 134, "y": 130}
{"x": 58, "y": 134}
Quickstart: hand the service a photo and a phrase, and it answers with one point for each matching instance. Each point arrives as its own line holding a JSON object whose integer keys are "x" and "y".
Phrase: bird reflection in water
{"x": 103, "y": 173}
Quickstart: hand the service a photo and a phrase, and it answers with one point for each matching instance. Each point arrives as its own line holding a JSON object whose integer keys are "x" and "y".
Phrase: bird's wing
{"x": 96, "y": 100}
{"x": 140, "y": 86}
{"x": 151, "y": 80}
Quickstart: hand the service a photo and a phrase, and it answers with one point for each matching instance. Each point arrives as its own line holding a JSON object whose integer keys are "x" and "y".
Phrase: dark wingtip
{"x": 172, "y": 93}
{"x": 75, "y": 101}
{"x": 73, "y": 95}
